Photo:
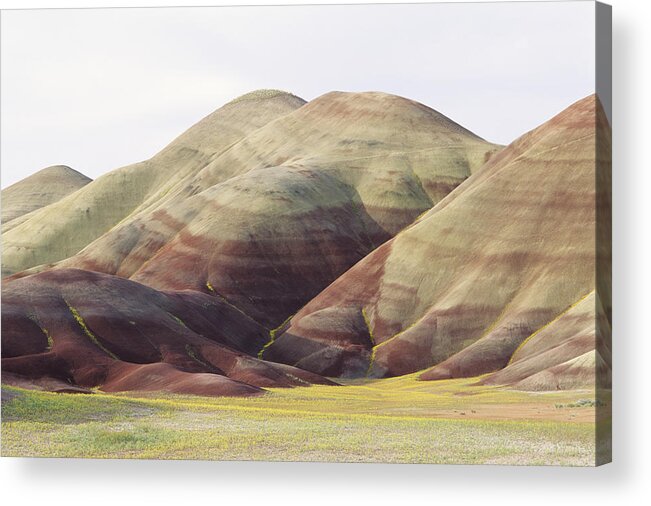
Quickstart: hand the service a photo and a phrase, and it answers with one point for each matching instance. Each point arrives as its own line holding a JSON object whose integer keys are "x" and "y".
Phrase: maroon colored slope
{"x": 89, "y": 329}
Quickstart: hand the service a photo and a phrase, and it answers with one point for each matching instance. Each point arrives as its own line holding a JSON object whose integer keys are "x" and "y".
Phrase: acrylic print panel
{"x": 374, "y": 248}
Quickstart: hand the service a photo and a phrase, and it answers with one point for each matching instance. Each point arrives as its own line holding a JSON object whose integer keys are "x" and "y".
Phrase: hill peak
{"x": 42, "y": 188}
{"x": 264, "y": 94}
{"x": 381, "y": 106}
{"x": 55, "y": 173}
{"x": 61, "y": 171}
{"x": 588, "y": 110}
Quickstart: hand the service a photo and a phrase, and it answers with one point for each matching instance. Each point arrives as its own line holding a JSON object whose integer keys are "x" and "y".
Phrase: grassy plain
{"x": 390, "y": 420}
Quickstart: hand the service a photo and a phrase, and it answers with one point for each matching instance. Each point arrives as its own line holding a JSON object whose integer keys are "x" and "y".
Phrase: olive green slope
{"x": 63, "y": 228}
{"x": 38, "y": 190}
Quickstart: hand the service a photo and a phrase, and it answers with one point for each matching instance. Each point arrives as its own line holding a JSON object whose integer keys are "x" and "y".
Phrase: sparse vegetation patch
{"x": 88, "y": 332}
{"x": 389, "y": 420}
{"x": 272, "y": 335}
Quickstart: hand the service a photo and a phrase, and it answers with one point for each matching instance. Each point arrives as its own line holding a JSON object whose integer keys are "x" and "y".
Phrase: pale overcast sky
{"x": 101, "y": 88}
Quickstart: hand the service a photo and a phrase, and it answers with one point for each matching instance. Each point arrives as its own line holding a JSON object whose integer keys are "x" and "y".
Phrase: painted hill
{"x": 277, "y": 216}
{"x": 38, "y": 190}
{"x": 225, "y": 233}
{"x": 62, "y": 229}
{"x": 278, "y": 242}
{"x": 496, "y": 262}
{"x": 78, "y": 329}
{"x": 564, "y": 353}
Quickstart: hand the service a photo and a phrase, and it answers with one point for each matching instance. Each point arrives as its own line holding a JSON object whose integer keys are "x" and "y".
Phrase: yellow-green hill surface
{"x": 38, "y": 190}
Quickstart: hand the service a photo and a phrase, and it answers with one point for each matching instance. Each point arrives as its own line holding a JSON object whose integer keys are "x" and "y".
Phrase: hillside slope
{"x": 458, "y": 291}
{"x": 39, "y": 190}
{"x": 62, "y": 229}
{"x": 76, "y": 328}
{"x": 277, "y": 216}
{"x": 562, "y": 354}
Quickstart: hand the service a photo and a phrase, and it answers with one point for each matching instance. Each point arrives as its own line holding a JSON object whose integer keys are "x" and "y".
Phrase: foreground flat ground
{"x": 390, "y": 420}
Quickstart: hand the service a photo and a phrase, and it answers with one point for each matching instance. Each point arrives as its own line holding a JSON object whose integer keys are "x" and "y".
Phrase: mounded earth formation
{"x": 279, "y": 242}
{"x": 509, "y": 253}
{"x": 88, "y": 329}
{"x": 283, "y": 211}
{"x": 62, "y": 229}
{"x": 41, "y": 189}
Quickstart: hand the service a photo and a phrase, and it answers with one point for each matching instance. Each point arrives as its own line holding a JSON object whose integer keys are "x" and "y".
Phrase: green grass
{"x": 45, "y": 407}
{"x": 50, "y": 340}
{"x": 395, "y": 420}
{"x": 177, "y": 320}
{"x": 80, "y": 321}
{"x": 272, "y": 335}
{"x": 369, "y": 329}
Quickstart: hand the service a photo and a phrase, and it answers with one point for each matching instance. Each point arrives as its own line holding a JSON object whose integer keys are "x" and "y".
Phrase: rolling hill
{"x": 77, "y": 328}
{"x": 280, "y": 243}
{"x": 502, "y": 260}
{"x": 38, "y": 190}
{"x": 285, "y": 210}
{"x": 190, "y": 260}
{"x": 63, "y": 228}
